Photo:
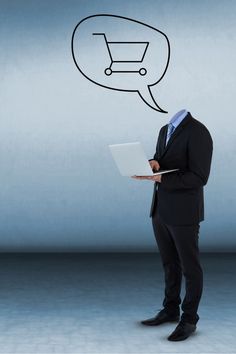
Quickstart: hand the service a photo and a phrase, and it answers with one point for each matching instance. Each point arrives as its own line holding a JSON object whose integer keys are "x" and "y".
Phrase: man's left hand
{"x": 156, "y": 178}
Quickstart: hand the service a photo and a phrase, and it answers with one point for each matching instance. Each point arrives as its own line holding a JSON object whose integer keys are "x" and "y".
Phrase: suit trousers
{"x": 178, "y": 246}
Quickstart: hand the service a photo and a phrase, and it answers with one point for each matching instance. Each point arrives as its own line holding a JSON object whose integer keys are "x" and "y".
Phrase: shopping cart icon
{"x": 121, "y": 50}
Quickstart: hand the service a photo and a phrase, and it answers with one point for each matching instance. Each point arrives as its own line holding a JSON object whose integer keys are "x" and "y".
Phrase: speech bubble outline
{"x": 145, "y": 95}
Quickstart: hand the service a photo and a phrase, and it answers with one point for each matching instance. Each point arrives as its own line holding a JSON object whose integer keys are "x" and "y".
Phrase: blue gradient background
{"x": 60, "y": 190}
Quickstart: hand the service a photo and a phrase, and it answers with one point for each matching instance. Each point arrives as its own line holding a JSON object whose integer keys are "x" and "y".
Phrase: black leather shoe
{"x": 182, "y": 331}
{"x": 160, "y": 318}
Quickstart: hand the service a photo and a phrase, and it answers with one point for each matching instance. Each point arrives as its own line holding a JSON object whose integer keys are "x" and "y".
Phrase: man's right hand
{"x": 154, "y": 165}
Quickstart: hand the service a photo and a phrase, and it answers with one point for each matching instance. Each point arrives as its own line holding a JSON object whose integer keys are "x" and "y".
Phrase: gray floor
{"x": 92, "y": 303}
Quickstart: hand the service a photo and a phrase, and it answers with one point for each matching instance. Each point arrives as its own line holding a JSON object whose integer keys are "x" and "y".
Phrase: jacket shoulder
{"x": 163, "y": 128}
{"x": 198, "y": 126}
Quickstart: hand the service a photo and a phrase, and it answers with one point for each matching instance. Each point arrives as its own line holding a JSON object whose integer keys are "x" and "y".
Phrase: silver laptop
{"x": 131, "y": 160}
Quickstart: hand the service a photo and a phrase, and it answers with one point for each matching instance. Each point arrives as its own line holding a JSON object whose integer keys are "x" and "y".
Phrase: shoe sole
{"x": 157, "y": 324}
{"x": 182, "y": 338}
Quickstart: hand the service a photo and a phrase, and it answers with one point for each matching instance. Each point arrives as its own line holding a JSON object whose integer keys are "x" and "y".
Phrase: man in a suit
{"x": 176, "y": 211}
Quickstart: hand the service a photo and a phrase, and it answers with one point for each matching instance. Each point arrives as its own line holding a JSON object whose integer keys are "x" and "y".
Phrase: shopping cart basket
{"x": 120, "y": 48}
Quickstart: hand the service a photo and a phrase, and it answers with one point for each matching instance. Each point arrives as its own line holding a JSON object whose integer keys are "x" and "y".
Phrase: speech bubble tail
{"x": 148, "y": 98}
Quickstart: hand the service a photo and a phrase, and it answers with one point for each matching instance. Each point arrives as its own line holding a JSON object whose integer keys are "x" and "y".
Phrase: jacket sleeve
{"x": 155, "y": 157}
{"x": 200, "y": 148}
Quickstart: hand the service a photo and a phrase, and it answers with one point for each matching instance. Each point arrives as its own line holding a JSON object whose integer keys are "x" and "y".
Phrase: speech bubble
{"x": 121, "y": 54}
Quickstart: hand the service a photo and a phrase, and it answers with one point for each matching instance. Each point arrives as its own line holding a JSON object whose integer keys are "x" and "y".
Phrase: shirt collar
{"x": 178, "y": 117}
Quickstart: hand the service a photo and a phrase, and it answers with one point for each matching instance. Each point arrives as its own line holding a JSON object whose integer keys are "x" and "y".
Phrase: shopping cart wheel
{"x": 142, "y": 71}
{"x": 108, "y": 71}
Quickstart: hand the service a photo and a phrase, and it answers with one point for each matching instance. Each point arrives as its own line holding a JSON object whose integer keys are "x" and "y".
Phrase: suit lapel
{"x": 176, "y": 133}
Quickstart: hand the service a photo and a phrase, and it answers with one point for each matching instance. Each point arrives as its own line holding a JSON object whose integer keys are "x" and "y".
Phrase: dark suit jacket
{"x": 179, "y": 197}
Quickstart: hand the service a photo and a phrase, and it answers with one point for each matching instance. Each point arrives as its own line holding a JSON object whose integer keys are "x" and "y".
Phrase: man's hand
{"x": 150, "y": 178}
{"x": 154, "y": 165}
